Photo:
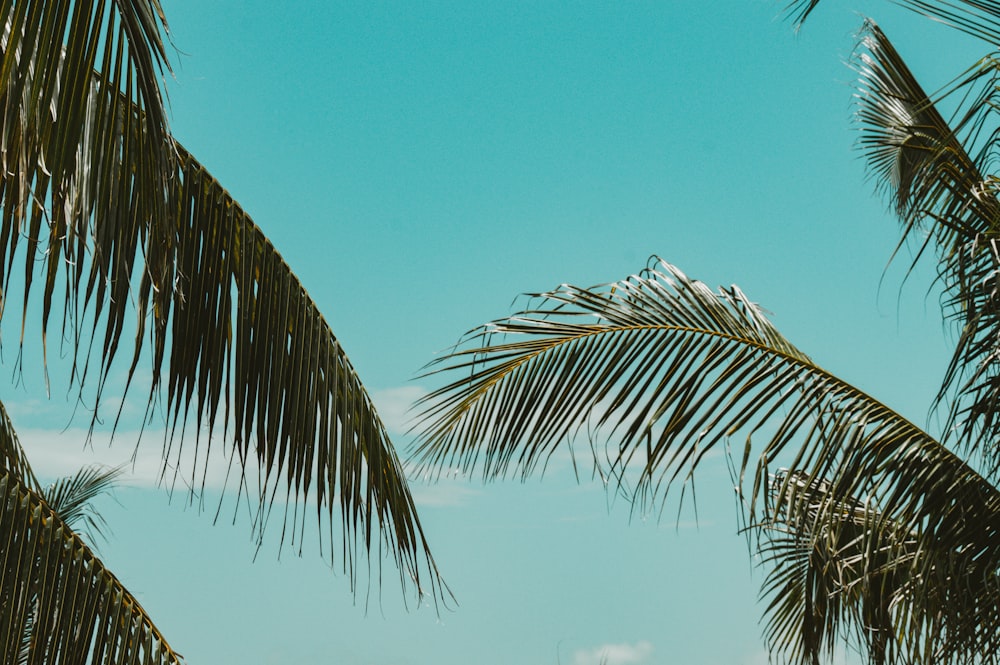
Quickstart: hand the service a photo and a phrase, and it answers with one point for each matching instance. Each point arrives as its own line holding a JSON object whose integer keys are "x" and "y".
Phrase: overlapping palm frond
{"x": 945, "y": 203}
{"x": 102, "y": 204}
{"x": 667, "y": 370}
{"x": 58, "y": 602}
{"x": 938, "y": 173}
{"x": 841, "y": 572}
{"x": 54, "y": 590}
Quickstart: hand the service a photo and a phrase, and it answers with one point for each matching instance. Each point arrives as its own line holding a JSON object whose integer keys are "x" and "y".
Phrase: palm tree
{"x": 107, "y": 210}
{"x": 873, "y": 532}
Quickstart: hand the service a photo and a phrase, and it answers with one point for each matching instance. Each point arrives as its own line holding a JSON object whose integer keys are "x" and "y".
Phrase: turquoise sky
{"x": 421, "y": 164}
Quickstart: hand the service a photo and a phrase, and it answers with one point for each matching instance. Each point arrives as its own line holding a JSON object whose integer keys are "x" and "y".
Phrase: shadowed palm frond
{"x": 57, "y": 593}
{"x": 843, "y": 570}
{"x": 72, "y": 498}
{"x": 110, "y": 212}
{"x": 667, "y": 370}
{"x": 12, "y": 457}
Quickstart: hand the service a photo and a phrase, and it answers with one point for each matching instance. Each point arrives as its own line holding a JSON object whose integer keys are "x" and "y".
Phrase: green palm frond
{"x": 53, "y": 589}
{"x": 12, "y": 457}
{"x": 667, "y": 370}
{"x": 945, "y": 203}
{"x": 100, "y": 199}
{"x": 843, "y": 570}
{"x": 257, "y": 349}
{"x": 72, "y": 498}
{"x": 978, "y": 18}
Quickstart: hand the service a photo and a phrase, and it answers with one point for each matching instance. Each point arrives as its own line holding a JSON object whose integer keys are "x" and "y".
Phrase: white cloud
{"x": 395, "y": 407}
{"x": 614, "y": 654}
{"x": 56, "y": 453}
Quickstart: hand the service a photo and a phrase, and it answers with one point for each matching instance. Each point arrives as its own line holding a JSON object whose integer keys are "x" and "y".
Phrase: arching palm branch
{"x": 667, "y": 370}
{"x": 106, "y": 210}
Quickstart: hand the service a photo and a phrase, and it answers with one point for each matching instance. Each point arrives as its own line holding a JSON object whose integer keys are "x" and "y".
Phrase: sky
{"x": 419, "y": 165}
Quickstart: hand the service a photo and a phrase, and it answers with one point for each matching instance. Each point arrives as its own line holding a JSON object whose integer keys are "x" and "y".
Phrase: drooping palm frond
{"x": 666, "y": 370}
{"x": 945, "y": 203}
{"x": 940, "y": 177}
{"x": 56, "y": 592}
{"x": 256, "y": 345}
{"x": 99, "y": 198}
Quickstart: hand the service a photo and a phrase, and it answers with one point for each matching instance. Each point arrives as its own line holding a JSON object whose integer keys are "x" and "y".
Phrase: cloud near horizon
{"x": 614, "y": 654}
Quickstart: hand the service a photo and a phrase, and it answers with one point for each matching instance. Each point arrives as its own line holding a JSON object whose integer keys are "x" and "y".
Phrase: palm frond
{"x": 54, "y": 590}
{"x": 667, "y": 370}
{"x": 947, "y": 205}
{"x": 843, "y": 570}
{"x": 99, "y": 197}
{"x": 257, "y": 353}
{"x": 12, "y": 457}
{"x": 72, "y": 498}
{"x": 978, "y": 18}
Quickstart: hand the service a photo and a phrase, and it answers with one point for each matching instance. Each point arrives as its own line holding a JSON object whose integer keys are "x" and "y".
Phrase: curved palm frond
{"x": 945, "y": 197}
{"x": 53, "y": 589}
{"x": 12, "y": 457}
{"x": 667, "y": 370}
{"x": 100, "y": 197}
{"x": 974, "y": 17}
{"x": 979, "y": 18}
{"x": 299, "y": 412}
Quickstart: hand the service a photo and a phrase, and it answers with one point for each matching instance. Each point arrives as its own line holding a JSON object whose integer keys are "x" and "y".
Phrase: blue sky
{"x": 421, "y": 164}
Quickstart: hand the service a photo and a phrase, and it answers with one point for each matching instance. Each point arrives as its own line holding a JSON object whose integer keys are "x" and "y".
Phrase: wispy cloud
{"x": 395, "y": 407}
{"x": 614, "y": 654}
{"x": 56, "y": 453}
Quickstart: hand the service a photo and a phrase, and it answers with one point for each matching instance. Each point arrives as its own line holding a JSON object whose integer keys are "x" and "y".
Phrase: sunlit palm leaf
{"x": 115, "y": 213}
{"x": 939, "y": 176}
{"x": 667, "y": 370}
{"x": 945, "y": 203}
{"x": 53, "y": 588}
